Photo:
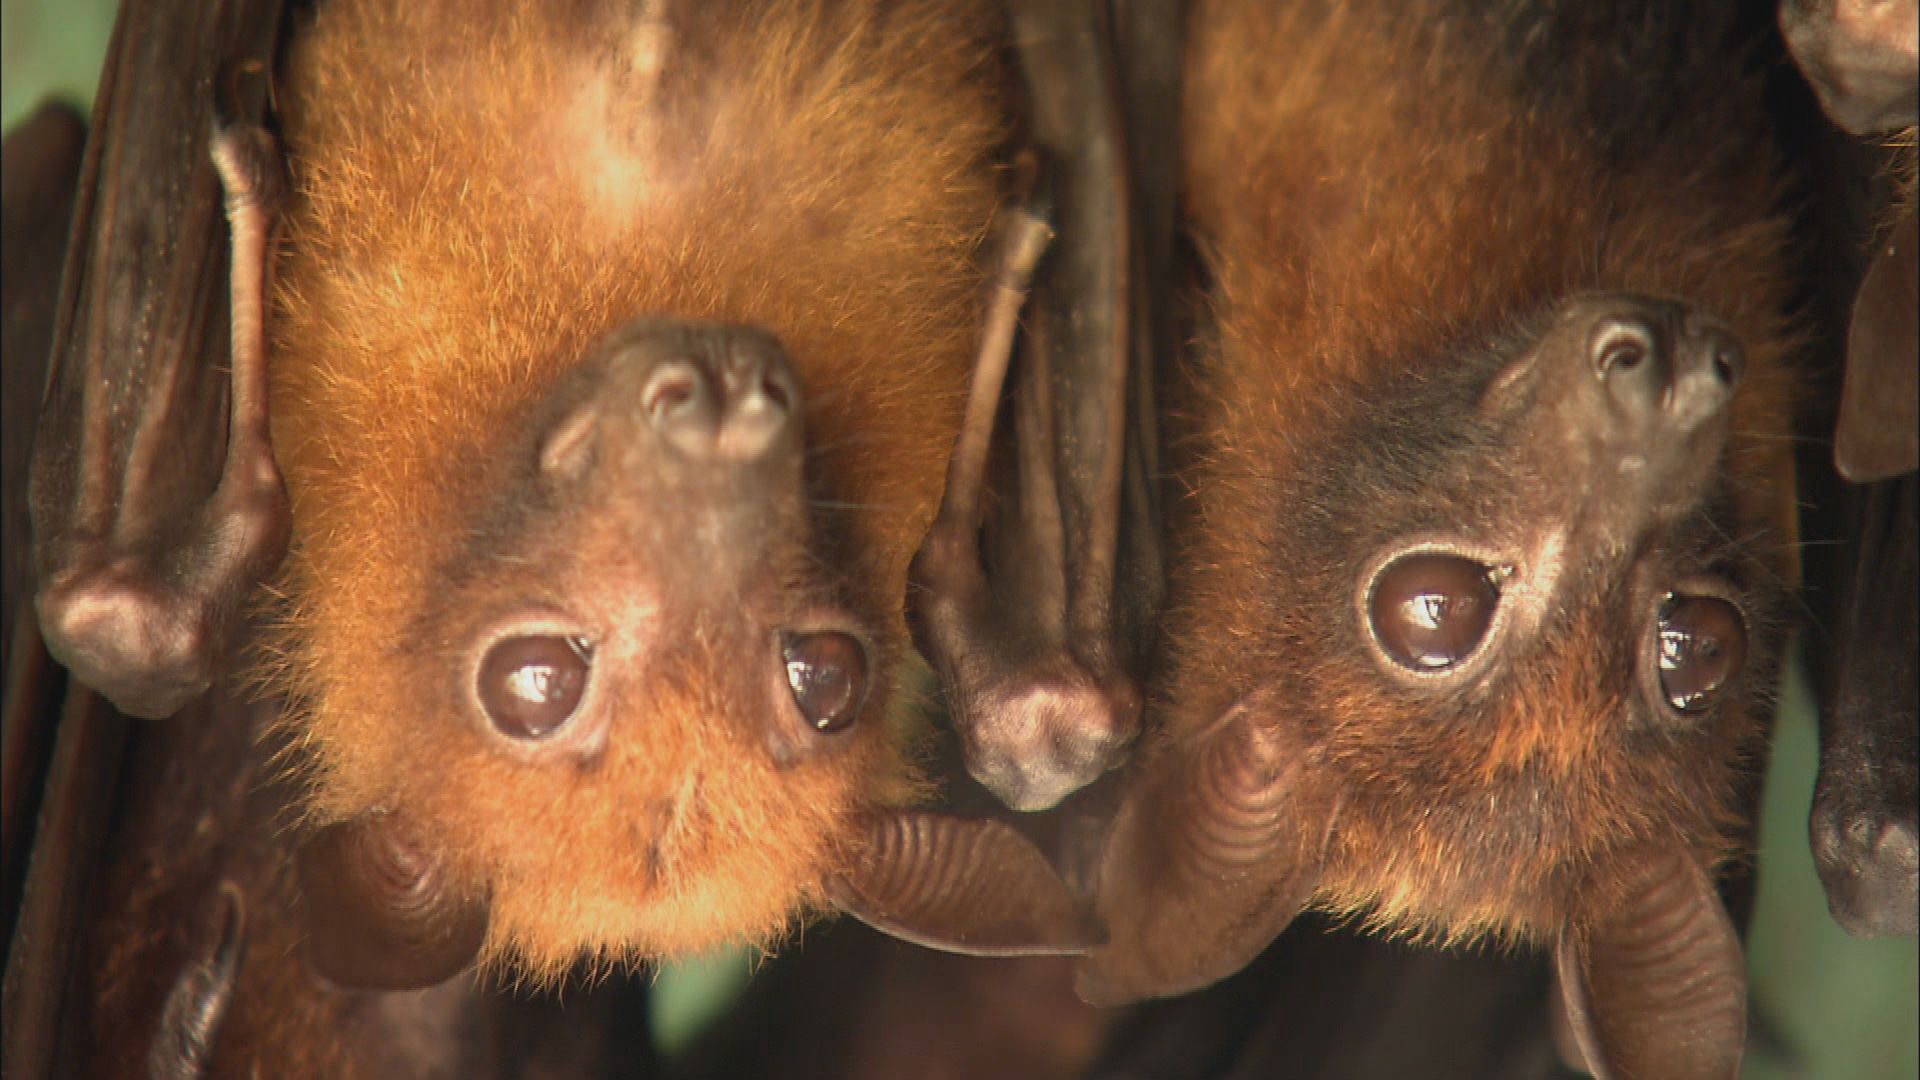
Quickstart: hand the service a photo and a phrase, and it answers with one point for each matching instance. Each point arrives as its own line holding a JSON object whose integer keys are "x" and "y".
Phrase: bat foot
{"x": 1869, "y": 861}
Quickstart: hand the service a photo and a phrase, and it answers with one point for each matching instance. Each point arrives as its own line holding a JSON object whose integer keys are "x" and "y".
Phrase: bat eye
{"x": 828, "y": 675}
{"x": 531, "y": 685}
{"x": 1430, "y": 611}
{"x": 1703, "y": 642}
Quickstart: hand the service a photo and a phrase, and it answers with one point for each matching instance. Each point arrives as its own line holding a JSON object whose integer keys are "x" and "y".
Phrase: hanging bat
{"x": 1484, "y": 567}
{"x": 1861, "y": 61}
{"x": 613, "y": 361}
{"x": 162, "y": 926}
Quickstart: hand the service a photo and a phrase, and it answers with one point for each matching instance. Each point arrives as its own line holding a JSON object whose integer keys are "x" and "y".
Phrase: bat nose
{"x": 734, "y": 404}
{"x": 1666, "y": 369}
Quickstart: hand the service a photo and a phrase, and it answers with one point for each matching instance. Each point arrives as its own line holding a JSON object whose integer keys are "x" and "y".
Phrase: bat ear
{"x": 1879, "y": 428}
{"x": 961, "y": 885}
{"x": 381, "y": 913}
{"x": 1658, "y": 987}
{"x": 1211, "y": 856}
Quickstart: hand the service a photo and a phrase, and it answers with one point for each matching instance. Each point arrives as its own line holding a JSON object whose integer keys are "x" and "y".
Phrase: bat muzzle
{"x": 1635, "y": 397}
{"x": 735, "y": 402}
{"x": 702, "y": 413}
{"x": 1666, "y": 370}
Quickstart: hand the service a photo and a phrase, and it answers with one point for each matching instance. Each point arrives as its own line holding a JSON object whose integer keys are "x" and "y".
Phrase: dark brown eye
{"x": 1703, "y": 642}
{"x": 1430, "y": 611}
{"x": 828, "y": 675}
{"x": 531, "y": 685}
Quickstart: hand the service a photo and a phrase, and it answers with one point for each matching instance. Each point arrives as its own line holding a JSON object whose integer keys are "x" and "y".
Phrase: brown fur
{"x": 1380, "y": 195}
{"x": 482, "y": 193}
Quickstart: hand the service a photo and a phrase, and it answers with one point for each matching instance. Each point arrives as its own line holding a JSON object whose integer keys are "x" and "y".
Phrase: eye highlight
{"x": 1702, "y": 644}
{"x": 1430, "y": 611}
{"x": 827, "y": 673}
{"x": 530, "y": 686}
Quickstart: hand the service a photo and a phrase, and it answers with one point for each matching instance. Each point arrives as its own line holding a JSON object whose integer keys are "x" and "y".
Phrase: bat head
{"x": 656, "y": 707}
{"x": 1516, "y": 617}
{"x": 652, "y": 703}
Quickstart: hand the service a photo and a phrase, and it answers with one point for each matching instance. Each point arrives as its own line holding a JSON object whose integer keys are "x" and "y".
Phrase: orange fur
{"x": 482, "y": 192}
{"x": 1373, "y": 192}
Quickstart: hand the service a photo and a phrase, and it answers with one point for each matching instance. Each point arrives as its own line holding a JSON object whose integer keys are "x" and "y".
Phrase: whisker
{"x": 1776, "y": 437}
{"x": 853, "y": 439}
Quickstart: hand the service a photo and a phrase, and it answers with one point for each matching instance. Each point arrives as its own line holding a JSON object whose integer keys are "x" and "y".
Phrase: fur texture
{"x": 1390, "y": 204}
{"x": 482, "y": 192}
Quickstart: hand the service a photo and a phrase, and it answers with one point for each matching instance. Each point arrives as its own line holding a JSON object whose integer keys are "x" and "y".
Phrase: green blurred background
{"x": 1843, "y": 1009}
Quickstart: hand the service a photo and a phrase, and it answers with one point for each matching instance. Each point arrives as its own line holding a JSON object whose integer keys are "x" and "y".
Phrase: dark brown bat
{"x": 1863, "y": 61}
{"x": 1487, "y": 555}
{"x": 615, "y": 357}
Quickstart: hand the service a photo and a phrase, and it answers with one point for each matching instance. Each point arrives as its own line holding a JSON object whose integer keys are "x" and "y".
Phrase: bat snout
{"x": 1665, "y": 370}
{"x": 693, "y": 406}
{"x": 737, "y": 407}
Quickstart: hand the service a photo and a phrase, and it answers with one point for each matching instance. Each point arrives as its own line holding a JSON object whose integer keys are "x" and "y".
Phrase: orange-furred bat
{"x": 612, "y": 355}
{"x": 1486, "y": 555}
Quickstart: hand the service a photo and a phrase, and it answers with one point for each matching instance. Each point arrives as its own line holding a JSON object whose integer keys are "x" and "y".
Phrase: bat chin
{"x": 688, "y": 889}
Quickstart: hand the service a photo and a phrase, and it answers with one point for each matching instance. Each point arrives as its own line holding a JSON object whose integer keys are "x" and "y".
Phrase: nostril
{"x": 1620, "y": 357}
{"x": 1628, "y": 360}
{"x": 1622, "y": 347}
{"x": 777, "y": 392}
{"x": 674, "y": 387}
{"x": 1729, "y": 363}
